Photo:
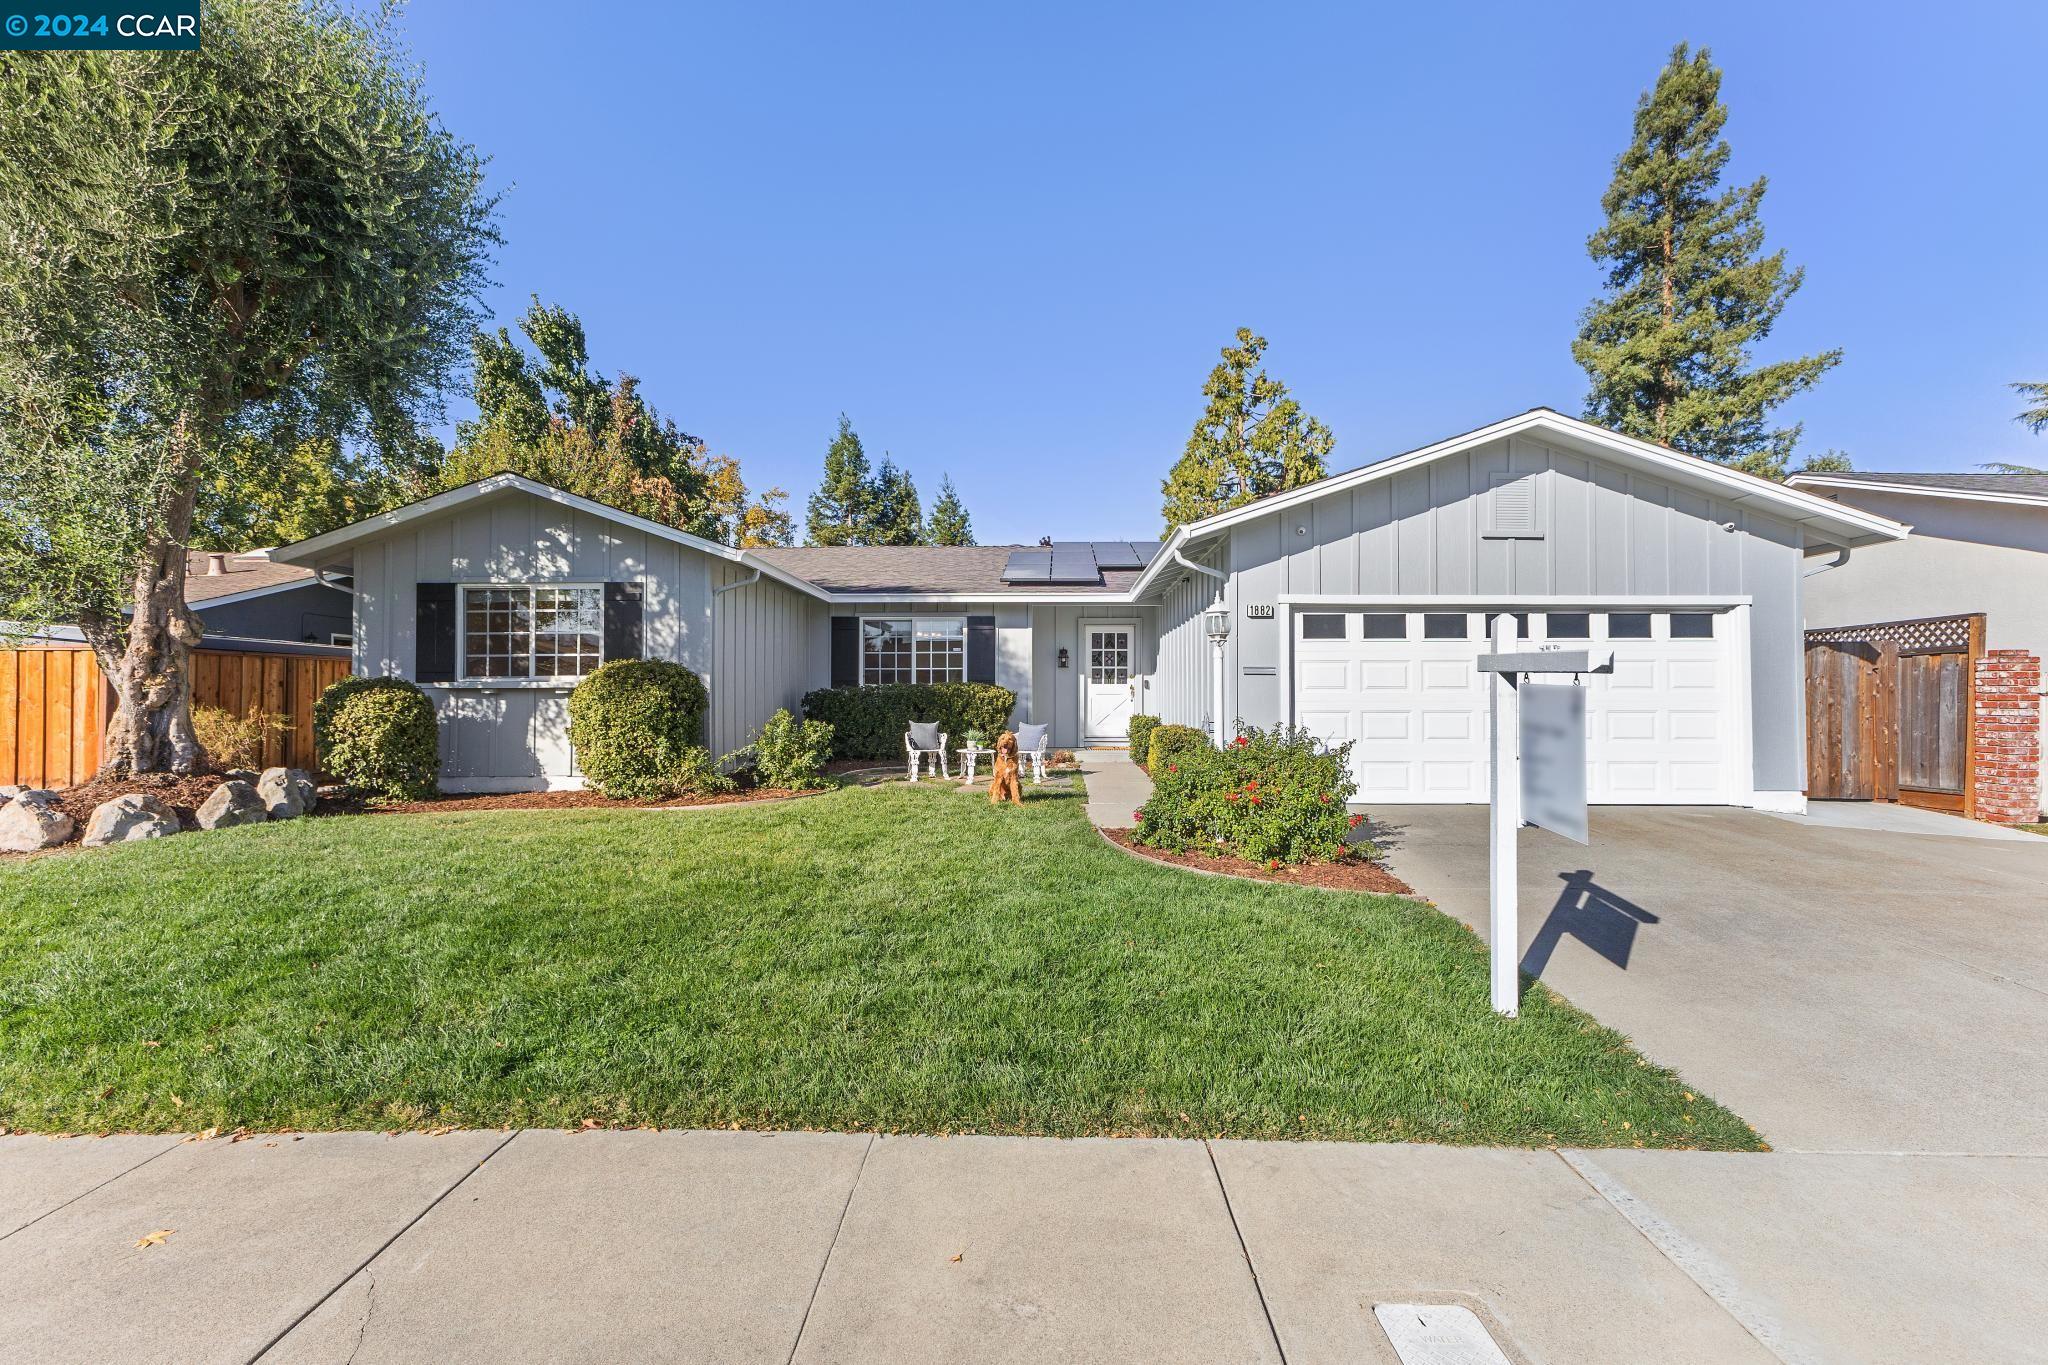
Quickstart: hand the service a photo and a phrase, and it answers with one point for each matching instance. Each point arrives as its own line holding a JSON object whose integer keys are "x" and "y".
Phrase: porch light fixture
{"x": 1218, "y": 622}
{"x": 1063, "y": 656}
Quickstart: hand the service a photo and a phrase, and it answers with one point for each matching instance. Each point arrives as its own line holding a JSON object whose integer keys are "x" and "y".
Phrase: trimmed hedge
{"x": 638, "y": 728}
{"x": 1169, "y": 741}
{"x": 378, "y": 735}
{"x": 1141, "y": 738}
{"x": 868, "y": 722}
{"x": 1273, "y": 796}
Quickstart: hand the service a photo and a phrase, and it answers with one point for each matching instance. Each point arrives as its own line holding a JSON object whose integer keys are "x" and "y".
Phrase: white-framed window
{"x": 913, "y": 649}
{"x": 531, "y": 631}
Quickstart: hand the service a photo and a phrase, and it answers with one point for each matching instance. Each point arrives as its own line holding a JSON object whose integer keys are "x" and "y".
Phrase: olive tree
{"x": 274, "y": 236}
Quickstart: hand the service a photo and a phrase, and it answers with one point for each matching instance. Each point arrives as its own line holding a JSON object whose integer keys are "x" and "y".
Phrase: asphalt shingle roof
{"x": 243, "y": 575}
{"x": 883, "y": 569}
{"x": 2025, "y": 485}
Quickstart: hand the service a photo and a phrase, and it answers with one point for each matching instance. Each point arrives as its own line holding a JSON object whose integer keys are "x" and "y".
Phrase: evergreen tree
{"x": 949, "y": 523}
{"x": 840, "y": 510}
{"x": 896, "y": 517}
{"x": 1667, "y": 346}
{"x": 1251, "y": 441}
{"x": 2035, "y": 417}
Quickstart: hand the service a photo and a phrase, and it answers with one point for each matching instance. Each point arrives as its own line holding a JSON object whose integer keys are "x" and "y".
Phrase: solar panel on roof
{"x": 1073, "y": 564}
{"x": 1146, "y": 550}
{"x": 1028, "y": 566}
{"x": 1116, "y": 554}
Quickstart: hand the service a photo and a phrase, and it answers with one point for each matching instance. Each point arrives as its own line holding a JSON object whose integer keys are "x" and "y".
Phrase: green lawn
{"x": 894, "y": 958}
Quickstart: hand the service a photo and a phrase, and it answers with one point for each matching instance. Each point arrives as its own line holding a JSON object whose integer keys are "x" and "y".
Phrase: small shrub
{"x": 868, "y": 722}
{"x": 638, "y": 727}
{"x": 233, "y": 741}
{"x": 1168, "y": 741}
{"x": 790, "y": 753}
{"x": 1141, "y": 738}
{"x": 1270, "y": 795}
{"x": 379, "y": 735}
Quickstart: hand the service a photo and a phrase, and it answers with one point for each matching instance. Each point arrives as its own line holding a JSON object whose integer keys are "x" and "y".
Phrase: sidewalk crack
{"x": 830, "y": 1247}
{"x": 1244, "y": 1249}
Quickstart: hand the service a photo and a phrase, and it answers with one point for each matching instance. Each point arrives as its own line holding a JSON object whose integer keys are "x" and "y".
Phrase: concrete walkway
{"x": 814, "y": 1247}
{"x": 1116, "y": 786}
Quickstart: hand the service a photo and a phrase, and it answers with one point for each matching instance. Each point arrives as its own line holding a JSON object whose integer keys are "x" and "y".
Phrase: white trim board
{"x": 310, "y": 550}
{"x": 1538, "y": 601}
{"x": 1576, "y": 437}
{"x": 1913, "y": 490}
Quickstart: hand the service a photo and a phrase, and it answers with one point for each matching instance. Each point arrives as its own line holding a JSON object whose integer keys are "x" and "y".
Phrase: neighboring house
{"x": 1356, "y": 606}
{"x": 1979, "y": 545}
{"x": 252, "y": 597}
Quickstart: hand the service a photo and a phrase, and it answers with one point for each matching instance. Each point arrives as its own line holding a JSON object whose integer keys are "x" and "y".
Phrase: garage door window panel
{"x": 1442, "y": 625}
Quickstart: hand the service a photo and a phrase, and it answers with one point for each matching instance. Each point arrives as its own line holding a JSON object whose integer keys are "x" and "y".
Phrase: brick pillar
{"x": 2006, "y": 727}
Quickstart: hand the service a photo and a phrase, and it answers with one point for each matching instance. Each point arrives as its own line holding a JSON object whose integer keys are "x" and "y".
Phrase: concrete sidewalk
{"x": 841, "y": 1247}
{"x": 1116, "y": 786}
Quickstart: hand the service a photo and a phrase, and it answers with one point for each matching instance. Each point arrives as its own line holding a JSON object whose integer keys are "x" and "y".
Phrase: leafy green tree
{"x": 1251, "y": 441}
{"x": 271, "y": 235}
{"x": 548, "y": 415}
{"x": 256, "y": 492}
{"x": 1827, "y": 462}
{"x": 1689, "y": 290}
{"x": 841, "y": 508}
{"x": 895, "y": 515}
{"x": 948, "y": 523}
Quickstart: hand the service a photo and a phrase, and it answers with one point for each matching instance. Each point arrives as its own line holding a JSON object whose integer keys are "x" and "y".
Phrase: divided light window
{"x": 913, "y": 649}
{"x": 532, "y": 632}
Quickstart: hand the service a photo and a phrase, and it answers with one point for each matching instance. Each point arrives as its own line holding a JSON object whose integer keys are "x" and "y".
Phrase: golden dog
{"x": 1003, "y": 781}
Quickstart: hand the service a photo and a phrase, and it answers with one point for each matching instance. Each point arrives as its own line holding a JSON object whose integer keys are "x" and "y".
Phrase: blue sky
{"x": 1008, "y": 241}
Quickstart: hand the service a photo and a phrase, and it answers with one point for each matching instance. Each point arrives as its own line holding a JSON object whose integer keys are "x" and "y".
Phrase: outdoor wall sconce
{"x": 1218, "y": 623}
{"x": 1063, "y": 656}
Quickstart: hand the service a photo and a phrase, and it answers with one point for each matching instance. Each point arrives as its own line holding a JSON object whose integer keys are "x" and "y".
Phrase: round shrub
{"x": 1169, "y": 741}
{"x": 1141, "y": 738}
{"x": 791, "y": 753}
{"x": 638, "y": 728}
{"x": 378, "y": 735}
{"x": 1270, "y": 796}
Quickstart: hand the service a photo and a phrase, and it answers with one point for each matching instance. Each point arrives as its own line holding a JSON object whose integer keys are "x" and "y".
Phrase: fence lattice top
{"x": 1927, "y": 635}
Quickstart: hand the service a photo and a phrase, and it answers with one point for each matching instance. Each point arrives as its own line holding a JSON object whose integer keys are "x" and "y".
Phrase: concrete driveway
{"x": 1843, "y": 989}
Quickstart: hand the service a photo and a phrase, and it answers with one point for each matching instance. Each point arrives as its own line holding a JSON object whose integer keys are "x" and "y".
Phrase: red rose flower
{"x": 1230, "y": 796}
{"x": 1252, "y": 785}
{"x": 1255, "y": 798}
{"x": 1240, "y": 741}
{"x": 1356, "y": 821}
{"x": 1273, "y": 866}
{"x": 1324, "y": 798}
{"x": 1173, "y": 767}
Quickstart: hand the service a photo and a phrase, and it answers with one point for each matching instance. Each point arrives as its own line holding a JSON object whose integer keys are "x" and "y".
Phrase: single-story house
{"x": 1355, "y": 606}
{"x": 1979, "y": 548}
{"x": 253, "y": 597}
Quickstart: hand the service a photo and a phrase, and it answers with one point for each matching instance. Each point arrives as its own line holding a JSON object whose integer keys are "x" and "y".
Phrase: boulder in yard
{"x": 9, "y": 792}
{"x": 136, "y": 815}
{"x": 287, "y": 792}
{"x": 32, "y": 820}
{"x": 233, "y": 802}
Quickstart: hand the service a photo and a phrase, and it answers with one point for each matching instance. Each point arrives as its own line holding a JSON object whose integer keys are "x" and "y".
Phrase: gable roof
{"x": 247, "y": 576}
{"x": 907, "y": 570}
{"x": 310, "y": 550}
{"x": 2025, "y": 489}
{"x": 1839, "y": 524}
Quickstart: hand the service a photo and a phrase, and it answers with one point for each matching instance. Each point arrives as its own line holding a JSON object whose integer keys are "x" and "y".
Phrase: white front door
{"x": 1405, "y": 688}
{"x": 1106, "y": 701}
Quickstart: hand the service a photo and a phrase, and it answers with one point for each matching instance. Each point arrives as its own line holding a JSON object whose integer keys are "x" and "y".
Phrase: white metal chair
{"x": 1032, "y": 743}
{"x": 923, "y": 741}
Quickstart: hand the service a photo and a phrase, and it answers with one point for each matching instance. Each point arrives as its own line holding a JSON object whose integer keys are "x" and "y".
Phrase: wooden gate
{"x": 1888, "y": 712}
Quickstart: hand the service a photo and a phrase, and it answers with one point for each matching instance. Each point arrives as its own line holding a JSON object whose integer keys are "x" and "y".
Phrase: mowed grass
{"x": 895, "y": 959}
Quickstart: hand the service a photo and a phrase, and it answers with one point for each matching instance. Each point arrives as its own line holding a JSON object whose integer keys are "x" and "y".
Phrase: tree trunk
{"x": 151, "y": 669}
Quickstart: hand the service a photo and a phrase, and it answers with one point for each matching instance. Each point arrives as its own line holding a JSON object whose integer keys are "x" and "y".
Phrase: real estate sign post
{"x": 1538, "y": 748}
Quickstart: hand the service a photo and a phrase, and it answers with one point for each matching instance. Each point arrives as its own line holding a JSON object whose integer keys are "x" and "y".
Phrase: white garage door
{"x": 1403, "y": 686}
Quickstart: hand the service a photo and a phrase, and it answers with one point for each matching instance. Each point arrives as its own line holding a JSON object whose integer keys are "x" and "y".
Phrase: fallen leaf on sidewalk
{"x": 155, "y": 1239}
{"x": 955, "y": 1257}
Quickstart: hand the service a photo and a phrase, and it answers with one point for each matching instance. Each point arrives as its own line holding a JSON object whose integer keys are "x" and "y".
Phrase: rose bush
{"x": 1271, "y": 796}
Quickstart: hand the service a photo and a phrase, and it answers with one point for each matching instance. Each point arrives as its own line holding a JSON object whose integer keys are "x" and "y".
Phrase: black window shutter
{"x": 846, "y": 651}
{"x": 981, "y": 649}
{"x": 434, "y": 632}
{"x": 622, "y": 621}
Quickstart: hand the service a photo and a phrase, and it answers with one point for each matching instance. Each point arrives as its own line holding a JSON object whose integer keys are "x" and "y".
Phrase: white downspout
{"x": 742, "y": 583}
{"x": 1841, "y": 558}
{"x": 1222, "y": 642}
{"x": 326, "y": 582}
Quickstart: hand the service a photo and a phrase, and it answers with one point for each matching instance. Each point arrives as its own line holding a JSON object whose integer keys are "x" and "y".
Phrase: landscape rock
{"x": 287, "y": 792}
{"x": 233, "y": 802}
{"x": 32, "y": 820}
{"x": 9, "y": 792}
{"x": 137, "y": 815}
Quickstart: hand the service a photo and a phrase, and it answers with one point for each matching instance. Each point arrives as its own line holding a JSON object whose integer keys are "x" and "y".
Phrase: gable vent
{"x": 1511, "y": 510}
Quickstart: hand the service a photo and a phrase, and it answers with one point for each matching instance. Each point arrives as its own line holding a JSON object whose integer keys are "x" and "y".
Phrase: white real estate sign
{"x": 1554, "y": 758}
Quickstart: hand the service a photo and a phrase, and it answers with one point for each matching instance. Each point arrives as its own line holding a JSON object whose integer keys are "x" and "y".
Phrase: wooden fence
{"x": 1888, "y": 712}
{"x": 54, "y": 706}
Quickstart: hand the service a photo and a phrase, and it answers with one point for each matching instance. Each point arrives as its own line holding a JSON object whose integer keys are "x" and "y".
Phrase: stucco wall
{"x": 1605, "y": 531}
{"x": 1962, "y": 557}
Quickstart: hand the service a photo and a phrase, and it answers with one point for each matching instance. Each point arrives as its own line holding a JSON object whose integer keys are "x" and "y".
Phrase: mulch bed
{"x": 1349, "y": 874}
{"x": 185, "y": 794}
